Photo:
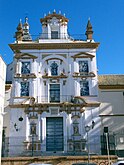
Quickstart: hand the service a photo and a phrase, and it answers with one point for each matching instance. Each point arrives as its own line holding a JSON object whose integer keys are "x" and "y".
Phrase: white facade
{"x": 54, "y": 93}
{"x": 2, "y": 93}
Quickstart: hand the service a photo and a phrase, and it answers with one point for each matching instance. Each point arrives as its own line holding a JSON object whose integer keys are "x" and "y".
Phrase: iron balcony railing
{"x": 55, "y": 99}
{"x": 75, "y": 37}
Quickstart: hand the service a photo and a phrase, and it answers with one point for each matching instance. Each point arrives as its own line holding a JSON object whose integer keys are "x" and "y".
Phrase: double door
{"x": 54, "y": 134}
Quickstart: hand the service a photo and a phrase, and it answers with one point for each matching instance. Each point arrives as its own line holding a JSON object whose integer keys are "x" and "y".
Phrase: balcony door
{"x": 54, "y": 92}
{"x": 54, "y": 134}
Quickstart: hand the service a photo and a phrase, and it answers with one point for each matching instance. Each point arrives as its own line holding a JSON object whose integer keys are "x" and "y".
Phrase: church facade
{"x": 54, "y": 106}
{"x": 54, "y": 89}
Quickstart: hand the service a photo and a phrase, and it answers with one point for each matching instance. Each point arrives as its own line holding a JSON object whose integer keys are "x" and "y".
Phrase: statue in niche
{"x": 71, "y": 146}
{"x": 32, "y": 101}
{"x": 54, "y": 69}
{"x": 76, "y": 129}
{"x": 33, "y": 129}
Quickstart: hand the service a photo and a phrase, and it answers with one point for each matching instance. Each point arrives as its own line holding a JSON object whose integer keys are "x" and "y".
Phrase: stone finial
{"x": 54, "y": 11}
{"x": 19, "y": 32}
{"x": 26, "y": 34}
{"x": 89, "y": 30}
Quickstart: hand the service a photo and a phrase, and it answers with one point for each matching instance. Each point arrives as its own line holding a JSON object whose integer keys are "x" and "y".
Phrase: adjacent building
{"x": 2, "y": 94}
{"x": 111, "y": 94}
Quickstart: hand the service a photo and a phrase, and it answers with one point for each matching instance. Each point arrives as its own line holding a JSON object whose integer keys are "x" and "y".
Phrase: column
{"x": 17, "y": 89}
{"x": 74, "y": 68}
{"x": 32, "y": 88}
{"x": 75, "y": 88}
{"x": 39, "y": 126}
{"x": 32, "y": 66}
{"x": 18, "y": 67}
{"x": 27, "y": 128}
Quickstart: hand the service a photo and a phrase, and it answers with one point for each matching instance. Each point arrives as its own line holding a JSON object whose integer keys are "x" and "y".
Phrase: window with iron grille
{"x": 54, "y": 92}
{"x": 84, "y": 88}
{"x": 24, "y": 88}
{"x": 83, "y": 67}
{"x": 25, "y": 69}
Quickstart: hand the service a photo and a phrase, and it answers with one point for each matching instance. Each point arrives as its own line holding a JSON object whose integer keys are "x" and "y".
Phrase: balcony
{"x": 61, "y": 100}
{"x": 54, "y": 99}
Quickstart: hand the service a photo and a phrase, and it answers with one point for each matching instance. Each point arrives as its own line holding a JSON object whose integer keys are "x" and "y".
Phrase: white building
{"x": 54, "y": 92}
{"x": 2, "y": 94}
{"x": 111, "y": 94}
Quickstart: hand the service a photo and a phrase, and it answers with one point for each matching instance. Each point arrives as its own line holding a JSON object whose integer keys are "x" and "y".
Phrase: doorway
{"x": 54, "y": 134}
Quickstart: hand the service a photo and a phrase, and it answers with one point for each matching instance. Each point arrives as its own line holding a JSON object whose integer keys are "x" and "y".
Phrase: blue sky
{"x": 107, "y": 18}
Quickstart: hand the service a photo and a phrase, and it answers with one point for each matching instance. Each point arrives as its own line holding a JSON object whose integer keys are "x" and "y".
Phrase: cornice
{"x": 40, "y": 46}
{"x": 77, "y": 74}
{"x": 30, "y": 75}
{"x": 111, "y": 86}
{"x": 111, "y": 115}
{"x": 61, "y": 105}
{"x": 55, "y": 77}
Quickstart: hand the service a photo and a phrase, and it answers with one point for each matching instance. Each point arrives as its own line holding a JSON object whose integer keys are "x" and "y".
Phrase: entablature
{"x": 42, "y": 46}
{"x": 54, "y": 77}
{"x": 77, "y": 104}
{"x": 83, "y": 74}
{"x": 25, "y": 76}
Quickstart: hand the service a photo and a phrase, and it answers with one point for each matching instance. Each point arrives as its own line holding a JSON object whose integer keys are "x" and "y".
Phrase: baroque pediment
{"x": 83, "y": 55}
{"x": 25, "y": 56}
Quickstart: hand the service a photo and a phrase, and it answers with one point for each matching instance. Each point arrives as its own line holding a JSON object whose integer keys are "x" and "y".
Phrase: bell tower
{"x": 54, "y": 26}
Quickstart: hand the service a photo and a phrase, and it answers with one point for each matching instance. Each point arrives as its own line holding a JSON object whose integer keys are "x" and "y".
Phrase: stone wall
{"x": 57, "y": 160}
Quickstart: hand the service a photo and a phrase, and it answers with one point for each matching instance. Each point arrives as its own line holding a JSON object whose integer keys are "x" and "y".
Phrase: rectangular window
{"x": 54, "y": 92}
{"x": 24, "y": 88}
{"x": 83, "y": 67}
{"x": 25, "y": 68}
{"x": 54, "y": 34}
{"x": 84, "y": 88}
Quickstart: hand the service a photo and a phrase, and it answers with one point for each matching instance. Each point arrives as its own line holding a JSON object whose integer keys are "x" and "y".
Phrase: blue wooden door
{"x": 54, "y": 134}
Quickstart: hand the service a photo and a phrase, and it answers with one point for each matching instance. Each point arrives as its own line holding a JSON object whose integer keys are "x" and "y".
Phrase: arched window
{"x": 54, "y": 69}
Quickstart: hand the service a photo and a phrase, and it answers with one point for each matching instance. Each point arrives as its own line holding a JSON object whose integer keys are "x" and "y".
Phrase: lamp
{"x": 15, "y": 126}
{"x": 20, "y": 118}
{"x": 93, "y": 124}
{"x": 87, "y": 129}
